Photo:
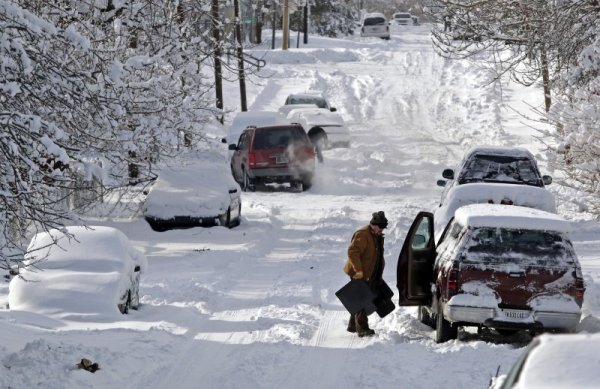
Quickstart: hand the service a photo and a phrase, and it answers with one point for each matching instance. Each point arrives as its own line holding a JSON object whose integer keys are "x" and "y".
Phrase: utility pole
{"x": 217, "y": 57}
{"x": 285, "y": 25}
{"x": 240, "y": 55}
{"x": 305, "y": 22}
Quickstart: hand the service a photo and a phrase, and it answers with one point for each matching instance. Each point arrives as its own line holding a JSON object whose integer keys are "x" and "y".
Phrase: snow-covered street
{"x": 255, "y": 306}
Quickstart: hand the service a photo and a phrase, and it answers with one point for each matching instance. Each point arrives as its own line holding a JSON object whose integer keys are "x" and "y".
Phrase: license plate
{"x": 516, "y": 314}
{"x": 282, "y": 160}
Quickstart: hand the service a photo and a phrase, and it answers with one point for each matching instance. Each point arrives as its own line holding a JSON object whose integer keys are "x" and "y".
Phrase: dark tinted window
{"x": 521, "y": 247}
{"x": 374, "y": 21}
{"x": 318, "y": 101}
{"x": 507, "y": 169}
{"x": 279, "y": 137}
{"x": 402, "y": 16}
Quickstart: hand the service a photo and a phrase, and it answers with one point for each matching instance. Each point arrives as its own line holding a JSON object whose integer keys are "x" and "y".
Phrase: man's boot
{"x": 362, "y": 324}
{"x": 351, "y": 324}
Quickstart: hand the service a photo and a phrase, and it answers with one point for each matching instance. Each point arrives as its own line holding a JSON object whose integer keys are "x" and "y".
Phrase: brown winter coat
{"x": 363, "y": 252}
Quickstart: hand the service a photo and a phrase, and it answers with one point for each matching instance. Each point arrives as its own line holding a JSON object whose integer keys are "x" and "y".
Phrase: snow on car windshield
{"x": 495, "y": 168}
{"x": 525, "y": 247}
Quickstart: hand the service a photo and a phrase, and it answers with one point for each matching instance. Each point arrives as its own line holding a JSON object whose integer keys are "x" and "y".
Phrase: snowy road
{"x": 254, "y": 307}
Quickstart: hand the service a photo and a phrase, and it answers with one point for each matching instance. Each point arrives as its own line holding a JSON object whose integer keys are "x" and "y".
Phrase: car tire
{"x": 238, "y": 220}
{"x": 248, "y": 185}
{"x": 424, "y": 316}
{"x": 124, "y": 308}
{"x": 444, "y": 331}
{"x": 225, "y": 219}
{"x": 307, "y": 182}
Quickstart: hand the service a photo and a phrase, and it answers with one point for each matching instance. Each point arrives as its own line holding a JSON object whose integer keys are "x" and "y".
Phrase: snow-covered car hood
{"x": 475, "y": 193}
{"x": 316, "y": 116}
{"x": 84, "y": 275}
{"x": 201, "y": 189}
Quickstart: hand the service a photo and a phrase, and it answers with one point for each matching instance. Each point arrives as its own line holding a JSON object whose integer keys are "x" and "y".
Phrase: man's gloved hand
{"x": 358, "y": 275}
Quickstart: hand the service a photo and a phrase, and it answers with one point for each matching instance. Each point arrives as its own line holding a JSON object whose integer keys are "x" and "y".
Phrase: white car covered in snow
{"x": 555, "y": 361}
{"x": 200, "y": 192}
{"x": 325, "y": 129}
{"x": 90, "y": 271}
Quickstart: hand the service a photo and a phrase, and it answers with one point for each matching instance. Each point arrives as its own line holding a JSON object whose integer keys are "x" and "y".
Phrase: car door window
{"x": 423, "y": 235}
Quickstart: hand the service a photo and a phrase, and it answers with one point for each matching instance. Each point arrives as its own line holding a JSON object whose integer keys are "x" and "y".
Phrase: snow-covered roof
{"x": 85, "y": 275}
{"x": 501, "y": 150}
{"x": 476, "y": 193}
{"x": 510, "y": 216}
{"x": 316, "y": 116}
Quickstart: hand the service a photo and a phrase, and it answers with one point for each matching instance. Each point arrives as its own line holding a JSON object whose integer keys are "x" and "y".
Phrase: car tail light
{"x": 453, "y": 281}
{"x": 251, "y": 160}
{"x": 579, "y": 284}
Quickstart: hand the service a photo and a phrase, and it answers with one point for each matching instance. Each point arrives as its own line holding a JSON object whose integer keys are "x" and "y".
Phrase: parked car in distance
{"x": 402, "y": 19}
{"x": 198, "y": 193}
{"x": 555, "y": 361}
{"x": 251, "y": 118}
{"x": 315, "y": 98}
{"x": 490, "y": 193}
{"x": 498, "y": 266}
{"x": 325, "y": 129}
{"x": 81, "y": 271}
{"x": 375, "y": 25}
{"x": 510, "y": 165}
{"x": 273, "y": 154}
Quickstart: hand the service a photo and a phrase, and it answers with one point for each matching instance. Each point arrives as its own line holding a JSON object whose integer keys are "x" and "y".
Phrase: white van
{"x": 375, "y": 25}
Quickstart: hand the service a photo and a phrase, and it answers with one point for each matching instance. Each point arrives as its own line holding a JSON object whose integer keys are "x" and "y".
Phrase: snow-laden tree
{"x": 93, "y": 91}
{"x": 575, "y": 141}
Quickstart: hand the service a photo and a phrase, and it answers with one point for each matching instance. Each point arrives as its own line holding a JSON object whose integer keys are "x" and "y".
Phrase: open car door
{"x": 415, "y": 263}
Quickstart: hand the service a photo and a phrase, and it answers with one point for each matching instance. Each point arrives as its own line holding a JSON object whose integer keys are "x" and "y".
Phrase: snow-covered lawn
{"x": 254, "y": 306}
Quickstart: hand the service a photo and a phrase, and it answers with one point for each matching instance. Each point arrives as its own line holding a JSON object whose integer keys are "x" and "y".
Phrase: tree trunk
{"x": 546, "y": 78}
{"x": 240, "y": 55}
{"x": 217, "y": 57}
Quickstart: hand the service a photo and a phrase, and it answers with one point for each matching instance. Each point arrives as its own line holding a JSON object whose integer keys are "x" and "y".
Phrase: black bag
{"x": 357, "y": 295}
{"x": 383, "y": 300}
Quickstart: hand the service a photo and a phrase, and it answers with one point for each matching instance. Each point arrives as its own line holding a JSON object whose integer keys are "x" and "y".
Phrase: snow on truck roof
{"x": 510, "y": 216}
{"x": 501, "y": 150}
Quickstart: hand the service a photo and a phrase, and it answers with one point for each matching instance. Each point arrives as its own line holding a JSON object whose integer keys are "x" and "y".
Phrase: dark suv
{"x": 274, "y": 154}
{"x": 507, "y": 165}
{"x": 498, "y": 266}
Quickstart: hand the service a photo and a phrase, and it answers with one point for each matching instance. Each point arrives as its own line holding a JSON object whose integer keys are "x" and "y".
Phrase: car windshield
{"x": 402, "y": 16}
{"x": 521, "y": 247}
{"x": 506, "y": 169}
{"x": 377, "y": 21}
{"x": 318, "y": 101}
{"x": 279, "y": 137}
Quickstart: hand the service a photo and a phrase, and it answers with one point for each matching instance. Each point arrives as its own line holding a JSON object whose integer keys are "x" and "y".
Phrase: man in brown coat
{"x": 365, "y": 261}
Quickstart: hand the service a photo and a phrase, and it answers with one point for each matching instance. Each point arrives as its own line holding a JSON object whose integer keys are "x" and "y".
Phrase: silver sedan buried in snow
{"x": 200, "y": 194}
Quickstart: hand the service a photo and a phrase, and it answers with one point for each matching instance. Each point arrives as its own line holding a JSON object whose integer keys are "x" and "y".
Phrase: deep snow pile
{"x": 255, "y": 306}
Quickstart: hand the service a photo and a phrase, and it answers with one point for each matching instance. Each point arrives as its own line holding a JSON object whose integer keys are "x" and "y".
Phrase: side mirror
{"x": 547, "y": 180}
{"x": 448, "y": 174}
{"x": 223, "y": 140}
{"x": 232, "y": 147}
{"x": 333, "y": 109}
{"x": 442, "y": 183}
